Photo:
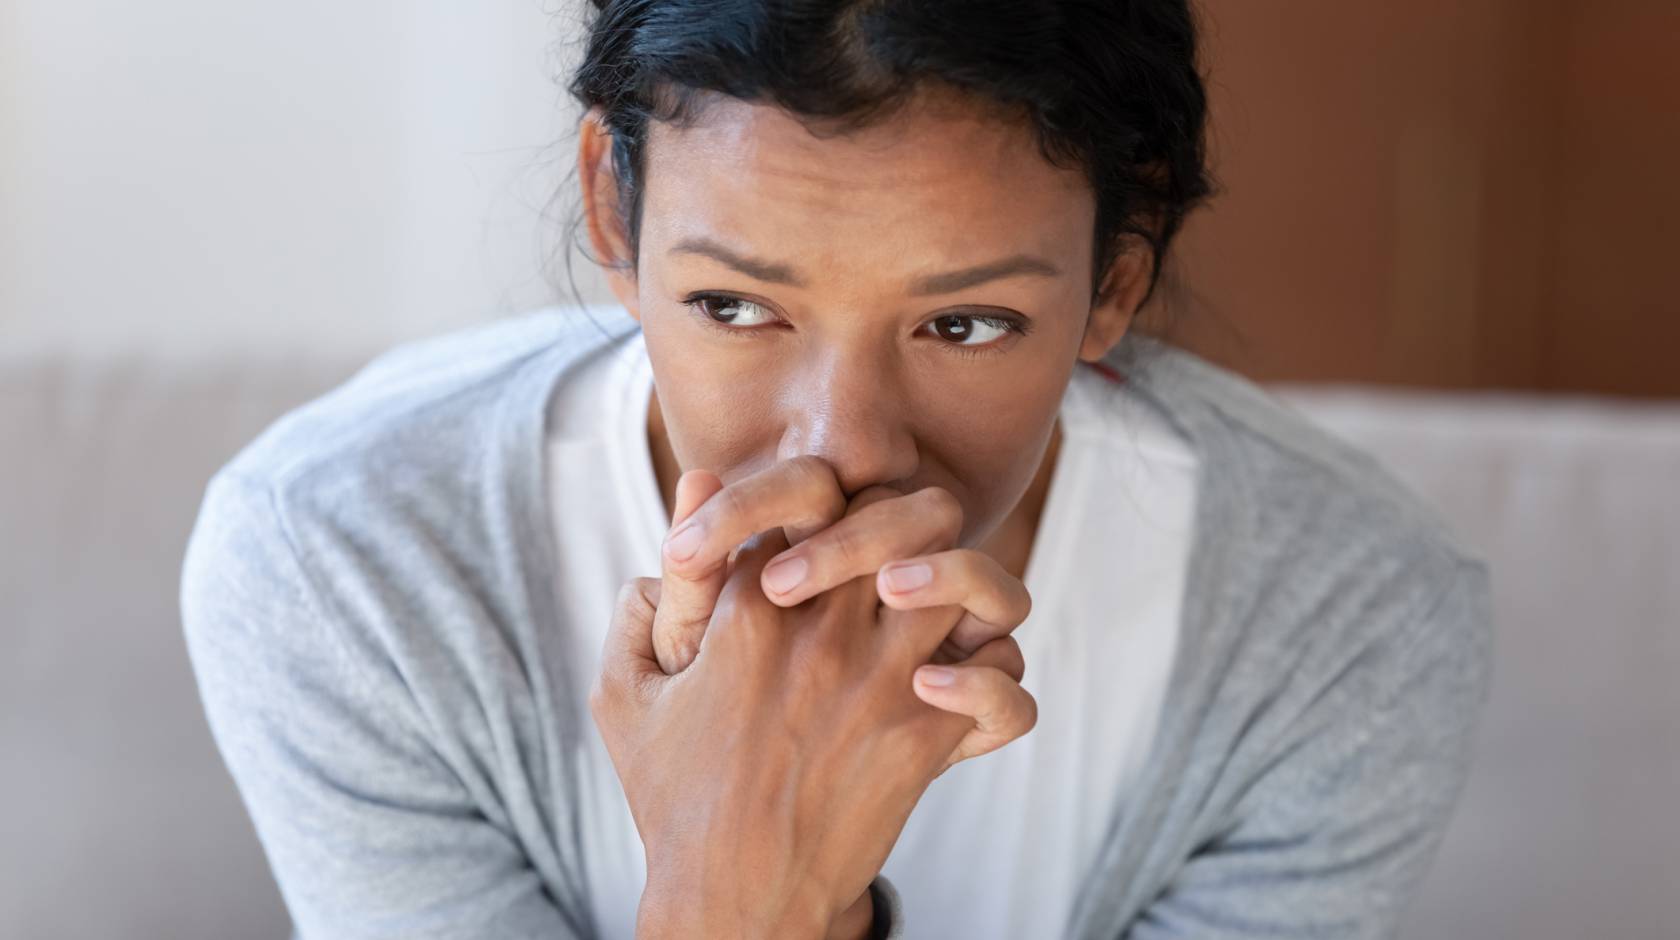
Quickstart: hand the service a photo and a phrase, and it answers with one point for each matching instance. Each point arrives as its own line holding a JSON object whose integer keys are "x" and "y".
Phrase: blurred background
{"x": 1446, "y": 233}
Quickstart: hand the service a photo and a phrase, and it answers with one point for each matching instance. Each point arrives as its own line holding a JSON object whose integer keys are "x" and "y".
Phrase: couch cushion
{"x": 120, "y": 818}
{"x": 1568, "y": 826}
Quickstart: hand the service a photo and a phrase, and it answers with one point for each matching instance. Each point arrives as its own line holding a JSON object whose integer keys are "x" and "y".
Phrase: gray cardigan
{"x": 366, "y": 603}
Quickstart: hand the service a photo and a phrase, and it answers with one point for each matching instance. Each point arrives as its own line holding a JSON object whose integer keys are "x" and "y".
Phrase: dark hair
{"x": 1112, "y": 86}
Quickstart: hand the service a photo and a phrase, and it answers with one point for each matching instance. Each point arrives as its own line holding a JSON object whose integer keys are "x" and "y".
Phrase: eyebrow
{"x": 947, "y": 282}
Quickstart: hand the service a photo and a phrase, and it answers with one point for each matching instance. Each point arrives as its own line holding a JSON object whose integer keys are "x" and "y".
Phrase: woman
{"x": 872, "y": 408}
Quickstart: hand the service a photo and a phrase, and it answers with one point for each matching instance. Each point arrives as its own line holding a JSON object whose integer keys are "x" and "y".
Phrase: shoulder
{"x": 418, "y": 403}
{"x": 1323, "y": 555}
{"x": 435, "y": 436}
{"x": 405, "y": 492}
{"x": 1309, "y": 487}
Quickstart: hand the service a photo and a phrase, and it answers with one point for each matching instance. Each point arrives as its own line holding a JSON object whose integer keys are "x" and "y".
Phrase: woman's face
{"x": 906, "y": 302}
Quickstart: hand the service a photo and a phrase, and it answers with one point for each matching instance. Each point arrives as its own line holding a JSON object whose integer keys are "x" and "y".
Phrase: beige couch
{"x": 119, "y": 820}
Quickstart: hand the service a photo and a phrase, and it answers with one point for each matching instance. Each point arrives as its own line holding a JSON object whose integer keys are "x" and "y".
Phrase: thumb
{"x": 627, "y": 659}
{"x": 686, "y": 604}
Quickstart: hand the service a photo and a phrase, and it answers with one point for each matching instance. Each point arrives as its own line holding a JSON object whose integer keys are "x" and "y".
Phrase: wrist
{"x": 667, "y": 911}
{"x": 855, "y": 922}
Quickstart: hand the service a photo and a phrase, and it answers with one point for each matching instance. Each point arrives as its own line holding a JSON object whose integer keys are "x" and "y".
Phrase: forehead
{"x": 942, "y": 175}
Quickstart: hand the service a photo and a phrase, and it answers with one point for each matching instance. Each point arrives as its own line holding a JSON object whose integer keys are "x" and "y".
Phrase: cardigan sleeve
{"x": 888, "y": 923}
{"x": 1332, "y": 838}
{"x": 367, "y": 831}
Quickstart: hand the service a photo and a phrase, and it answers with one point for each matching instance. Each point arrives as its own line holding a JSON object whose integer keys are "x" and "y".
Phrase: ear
{"x": 1117, "y": 303}
{"x": 608, "y": 230}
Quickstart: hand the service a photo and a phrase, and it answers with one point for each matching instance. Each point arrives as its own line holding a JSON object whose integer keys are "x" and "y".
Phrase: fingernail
{"x": 902, "y": 578}
{"x": 936, "y": 675}
{"x": 785, "y": 575}
{"x": 683, "y": 543}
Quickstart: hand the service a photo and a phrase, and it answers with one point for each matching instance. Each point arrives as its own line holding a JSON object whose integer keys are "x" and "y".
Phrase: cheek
{"x": 992, "y": 444}
{"x": 715, "y": 415}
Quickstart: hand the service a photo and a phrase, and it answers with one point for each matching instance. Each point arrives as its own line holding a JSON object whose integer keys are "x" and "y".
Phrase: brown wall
{"x": 1452, "y": 193}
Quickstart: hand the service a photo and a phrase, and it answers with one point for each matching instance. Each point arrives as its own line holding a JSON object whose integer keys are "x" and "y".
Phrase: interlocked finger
{"x": 986, "y": 687}
{"x": 994, "y": 601}
{"x": 887, "y": 526}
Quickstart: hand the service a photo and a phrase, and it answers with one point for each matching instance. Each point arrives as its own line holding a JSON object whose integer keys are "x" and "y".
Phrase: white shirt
{"x": 999, "y": 844}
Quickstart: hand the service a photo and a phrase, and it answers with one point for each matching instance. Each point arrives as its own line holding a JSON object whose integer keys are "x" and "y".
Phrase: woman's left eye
{"x": 972, "y": 330}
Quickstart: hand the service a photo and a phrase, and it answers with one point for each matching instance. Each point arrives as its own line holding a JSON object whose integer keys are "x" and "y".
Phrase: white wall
{"x": 188, "y": 178}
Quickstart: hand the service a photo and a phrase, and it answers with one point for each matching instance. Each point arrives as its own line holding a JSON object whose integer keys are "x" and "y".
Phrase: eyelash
{"x": 693, "y": 303}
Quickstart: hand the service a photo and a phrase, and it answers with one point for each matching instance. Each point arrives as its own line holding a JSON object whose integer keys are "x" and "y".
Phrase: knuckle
{"x": 941, "y": 499}
{"x": 731, "y": 509}
{"x": 993, "y": 694}
{"x": 746, "y": 612}
{"x": 944, "y": 508}
{"x": 970, "y": 566}
{"x": 820, "y": 499}
{"x": 810, "y": 466}
{"x": 809, "y": 470}
{"x": 846, "y": 544}
{"x": 1028, "y": 714}
{"x": 688, "y": 646}
{"x": 637, "y": 596}
{"x": 1012, "y": 711}
{"x": 1011, "y": 660}
{"x": 627, "y": 593}
{"x": 981, "y": 572}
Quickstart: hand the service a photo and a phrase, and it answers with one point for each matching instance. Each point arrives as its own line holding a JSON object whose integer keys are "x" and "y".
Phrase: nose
{"x": 849, "y": 410}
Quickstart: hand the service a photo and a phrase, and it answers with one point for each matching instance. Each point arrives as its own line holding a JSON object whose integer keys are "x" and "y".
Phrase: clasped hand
{"x": 773, "y": 734}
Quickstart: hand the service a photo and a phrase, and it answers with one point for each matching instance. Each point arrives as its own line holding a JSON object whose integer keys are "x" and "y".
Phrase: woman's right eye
{"x": 731, "y": 311}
